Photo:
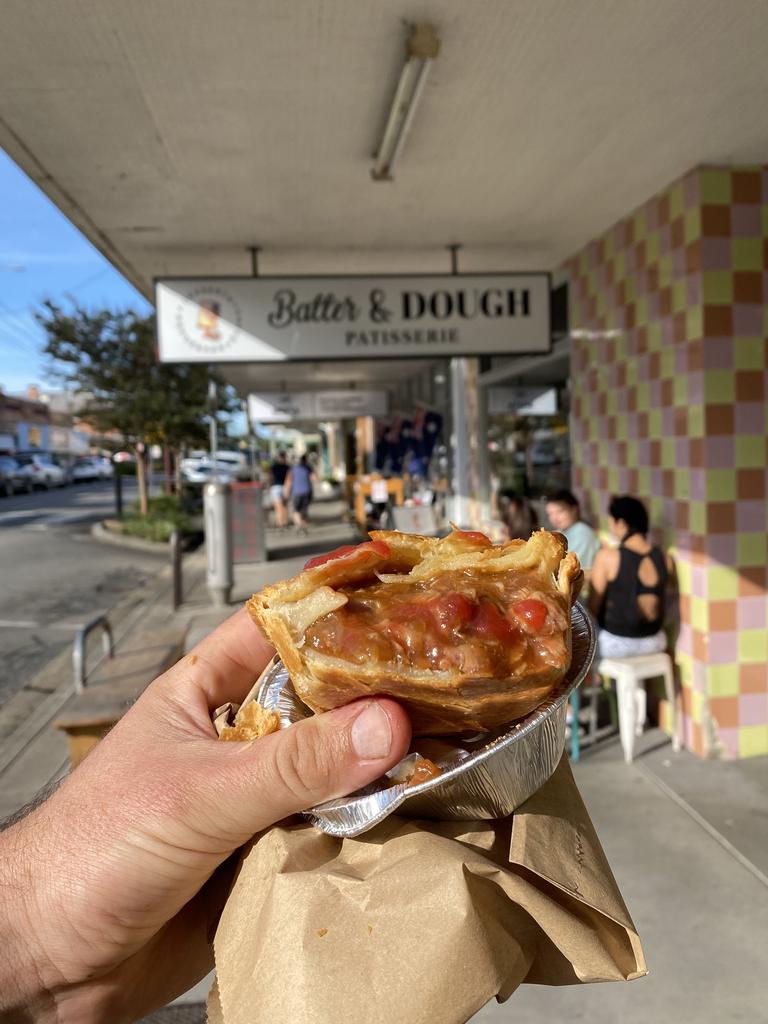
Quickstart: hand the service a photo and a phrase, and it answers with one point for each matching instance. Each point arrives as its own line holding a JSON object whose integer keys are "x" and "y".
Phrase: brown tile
{"x": 750, "y": 386}
{"x": 696, "y": 354}
{"x": 640, "y": 258}
{"x": 752, "y": 582}
{"x": 654, "y": 365}
{"x": 621, "y": 293}
{"x": 750, "y": 484}
{"x": 685, "y": 607}
{"x": 642, "y": 341}
{"x": 746, "y": 187}
{"x": 642, "y": 424}
{"x": 631, "y": 400}
{"x": 634, "y": 481}
{"x": 666, "y": 392}
{"x": 716, "y": 220}
{"x": 721, "y": 517}
{"x": 677, "y": 234}
{"x": 693, "y": 257}
{"x": 696, "y": 453}
{"x": 665, "y": 301}
{"x": 718, "y": 321}
{"x": 722, "y": 615}
{"x": 621, "y": 453}
{"x": 655, "y": 453}
{"x": 698, "y": 737}
{"x": 663, "y": 210}
{"x": 668, "y": 483}
{"x": 629, "y": 233}
{"x": 753, "y": 678}
{"x": 719, "y": 419}
{"x": 679, "y": 328}
{"x": 680, "y": 419}
{"x": 725, "y": 711}
{"x": 700, "y": 645}
{"x": 682, "y": 515}
{"x": 748, "y": 286}
{"x": 630, "y": 316}
{"x": 765, "y": 252}
{"x": 652, "y": 278}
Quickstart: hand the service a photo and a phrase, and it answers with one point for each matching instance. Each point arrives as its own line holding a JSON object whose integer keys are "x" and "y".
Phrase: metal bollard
{"x": 217, "y": 510}
{"x": 78, "y": 648}
{"x": 118, "y": 494}
{"x": 174, "y": 542}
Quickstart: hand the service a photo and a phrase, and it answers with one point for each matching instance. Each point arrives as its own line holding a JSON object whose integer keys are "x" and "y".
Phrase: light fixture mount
{"x": 422, "y": 47}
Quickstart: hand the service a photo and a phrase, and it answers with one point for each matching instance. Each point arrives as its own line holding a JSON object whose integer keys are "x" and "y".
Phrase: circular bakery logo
{"x": 208, "y": 319}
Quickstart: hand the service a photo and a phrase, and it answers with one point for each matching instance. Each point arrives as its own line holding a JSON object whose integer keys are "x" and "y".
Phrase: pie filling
{"x": 482, "y": 625}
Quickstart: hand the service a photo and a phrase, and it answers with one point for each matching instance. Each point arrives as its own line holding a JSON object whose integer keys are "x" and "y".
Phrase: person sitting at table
{"x": 628, "y": 585}
{"x": 564, "y": 513}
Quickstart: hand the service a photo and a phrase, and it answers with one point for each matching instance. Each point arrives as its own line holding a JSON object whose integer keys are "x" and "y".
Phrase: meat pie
{"x": 467, "y": 635}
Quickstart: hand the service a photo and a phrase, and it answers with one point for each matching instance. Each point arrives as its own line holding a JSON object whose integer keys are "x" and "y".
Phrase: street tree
{"x": 112, "y": 357}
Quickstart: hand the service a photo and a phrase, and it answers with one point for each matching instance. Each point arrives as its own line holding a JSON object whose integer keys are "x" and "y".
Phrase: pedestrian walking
{"x": 299, "y": 486}
{"x": 278, "y": 475}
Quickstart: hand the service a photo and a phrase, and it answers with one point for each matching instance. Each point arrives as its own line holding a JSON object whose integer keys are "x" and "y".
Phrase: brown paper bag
{"x": 420, "y": 922}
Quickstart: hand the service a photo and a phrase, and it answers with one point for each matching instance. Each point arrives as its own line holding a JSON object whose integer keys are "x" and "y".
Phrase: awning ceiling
{"x": 177, "y": 134}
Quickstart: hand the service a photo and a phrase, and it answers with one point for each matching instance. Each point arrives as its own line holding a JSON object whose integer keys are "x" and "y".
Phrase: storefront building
{"x": 669, "y": 376}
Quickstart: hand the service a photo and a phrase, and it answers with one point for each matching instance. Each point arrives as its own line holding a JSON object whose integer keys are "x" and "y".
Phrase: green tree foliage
{"x": 112, "y": 357}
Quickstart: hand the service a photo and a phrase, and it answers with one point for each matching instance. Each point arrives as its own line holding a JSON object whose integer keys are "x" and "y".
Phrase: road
{"x": 55, "y": 577}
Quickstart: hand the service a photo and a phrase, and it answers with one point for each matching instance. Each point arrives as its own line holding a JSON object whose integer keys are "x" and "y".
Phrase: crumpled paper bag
{"x": 420, "y": 922}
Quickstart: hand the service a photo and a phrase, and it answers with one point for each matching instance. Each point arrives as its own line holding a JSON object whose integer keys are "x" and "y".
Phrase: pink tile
{"x": 695, "y": 387}
{"x": 681, "y": 452}
{"x": 747, "y": 318}
{"x": 678, "y": 263}
{"x": 752, "y": 612}
{"x": 665, "y": 238}
{"x": 746, "y": 221}
{"x": 699, "y": 676}
{"x": 655, "y": 394}
{"x": 729, "y": 742}
{"x": 667, "y": 331}
{"x": 657, "y": 482}
{"x": 691, "y": 190}
{"x": 693, "y": 289}
{"x": 723, "y": 648}
{"x": 750, "y": 418}
{"x": 668, "y": 421}
{"x": 699, "y": 581}
{"x": 751, "y": 516}
{"x": 720, "y": 452}
{"x": 685, "y": 639}
{"x": 753, "y": 709}
{"x": 697, "y": 480}
{"x": 716, "y": 254}
{"x": 721, "y": 548}
{"x": 718, "y": 353}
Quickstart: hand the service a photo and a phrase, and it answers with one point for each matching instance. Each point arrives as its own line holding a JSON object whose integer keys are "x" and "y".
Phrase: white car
{"x": 42, "y": 471}
{"x": 91, "y": 468}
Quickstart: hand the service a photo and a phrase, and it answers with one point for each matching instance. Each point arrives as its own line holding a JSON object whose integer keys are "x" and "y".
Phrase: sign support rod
{"x": 254, "y": 250}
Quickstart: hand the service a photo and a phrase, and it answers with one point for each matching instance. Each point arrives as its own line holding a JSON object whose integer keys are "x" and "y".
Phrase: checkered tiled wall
{"x": 670, "y": 380}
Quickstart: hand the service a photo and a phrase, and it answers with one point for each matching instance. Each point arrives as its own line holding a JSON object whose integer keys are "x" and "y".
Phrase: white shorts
{"x": 609, "y": 645}
{"x": 276, "y": 493}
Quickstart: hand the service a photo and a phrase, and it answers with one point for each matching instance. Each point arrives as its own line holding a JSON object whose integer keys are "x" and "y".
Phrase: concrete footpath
{"x": 687, "y": 840}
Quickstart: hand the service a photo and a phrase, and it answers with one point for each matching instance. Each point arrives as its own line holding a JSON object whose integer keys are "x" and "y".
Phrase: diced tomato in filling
{"x": 372, "y": 545}
{"x": 532, "y": 612}
{"x": 451, "y": 612}
{"x": 490, "y": 624}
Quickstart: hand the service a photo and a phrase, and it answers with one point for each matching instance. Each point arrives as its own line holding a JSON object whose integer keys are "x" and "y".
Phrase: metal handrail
{"x": 78, "y": 648}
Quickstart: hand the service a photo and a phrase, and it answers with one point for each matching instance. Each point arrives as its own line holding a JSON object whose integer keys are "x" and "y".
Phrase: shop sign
{"x": 523, "y": 401}
{"x": 287, "y": 406}
{"x": 322, "y": 318}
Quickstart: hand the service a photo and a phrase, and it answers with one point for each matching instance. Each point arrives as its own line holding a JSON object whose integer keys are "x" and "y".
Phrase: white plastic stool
{"x": 630, "y": 674}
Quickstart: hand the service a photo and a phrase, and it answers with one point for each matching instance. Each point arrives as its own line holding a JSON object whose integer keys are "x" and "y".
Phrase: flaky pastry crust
{"x": 439, "y": 701}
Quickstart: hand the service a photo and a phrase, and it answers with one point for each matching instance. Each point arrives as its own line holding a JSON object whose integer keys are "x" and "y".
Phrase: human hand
{"x": 109, "y": 891}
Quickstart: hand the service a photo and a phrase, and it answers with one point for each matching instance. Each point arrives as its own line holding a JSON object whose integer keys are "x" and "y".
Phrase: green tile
{"x": 655, "y": 424}
{"x": 632, "y": 454}
{"x": 751, "y": 549}
{"x": 747, "y": 253}
{"x": 694, "y": 323}
{"x": 641, "y": 312}
{"x": 722, "y": 680}
{"x": 750, "y": 452}
{"x": 696, "y": 421}
{"x": 665, "y": 271}
{"x": 684, "y": 572}
{"x": 748, "y": 353}
{"x": 640, "y": 225}
{"x": 753, "y": 645}
{"x": 697, "y": 517}
{"x": 700, "y": 613}
{"x": 718, "y": 287}
{"x": 652, "y": 248}
{"x": 721, "y": 484}
{"x": 679, "y": 297}
{"x": 643, "y": 395}
{"x": 680, "y": 390}
{"x": 714, "y": 185}
{"x": 692, "y": 225}
{"x": 667, "y": 367}
{"x": 722, "y": 581}
{"x": 619, "y": 266}
{"x": 682, "y": 484}
{"x": 719, "y": 386}
{"x": 621, "y": 428}
{"x": 668, "y": 459}
{"x": 654, "y": 337}
{"x": 643, "y": 480}
{"x": 753, "y": 740}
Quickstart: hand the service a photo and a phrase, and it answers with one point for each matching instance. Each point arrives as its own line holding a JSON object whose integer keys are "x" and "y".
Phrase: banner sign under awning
{"x": 320, "y": 318}
{"x": 287, "y": 406}
{"x": 524, "y": 401}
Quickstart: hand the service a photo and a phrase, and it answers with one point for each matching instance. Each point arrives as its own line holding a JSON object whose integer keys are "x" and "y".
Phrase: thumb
{"x": 318, "y": 759}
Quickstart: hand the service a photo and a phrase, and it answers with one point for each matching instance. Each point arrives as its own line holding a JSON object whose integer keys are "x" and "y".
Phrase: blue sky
{"x": 42, "y": 255}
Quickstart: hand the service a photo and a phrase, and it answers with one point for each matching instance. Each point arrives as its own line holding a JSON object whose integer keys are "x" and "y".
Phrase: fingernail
{"x": 372, "y": 733}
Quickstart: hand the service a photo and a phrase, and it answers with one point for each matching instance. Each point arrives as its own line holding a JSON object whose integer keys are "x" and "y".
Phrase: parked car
{"x": 201, "y": 471}
{"x": 42, "y": 471}
{"x": 91, "y": 467}
{"x": 13, "y": 480}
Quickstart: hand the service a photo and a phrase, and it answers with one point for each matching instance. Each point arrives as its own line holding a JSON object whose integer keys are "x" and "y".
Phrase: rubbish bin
{"x": 217, "y": 511}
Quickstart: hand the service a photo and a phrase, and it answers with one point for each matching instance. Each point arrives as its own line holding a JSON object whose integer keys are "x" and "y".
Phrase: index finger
{"x": 228, "y": 661}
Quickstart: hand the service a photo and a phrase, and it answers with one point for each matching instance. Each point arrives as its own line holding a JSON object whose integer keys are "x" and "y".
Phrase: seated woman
{"x": 628, "y": 585}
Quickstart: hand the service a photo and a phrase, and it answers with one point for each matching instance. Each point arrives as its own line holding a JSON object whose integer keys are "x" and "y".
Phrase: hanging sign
{"x": 320, "y": 318}
{"x": 287, "y": 406}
